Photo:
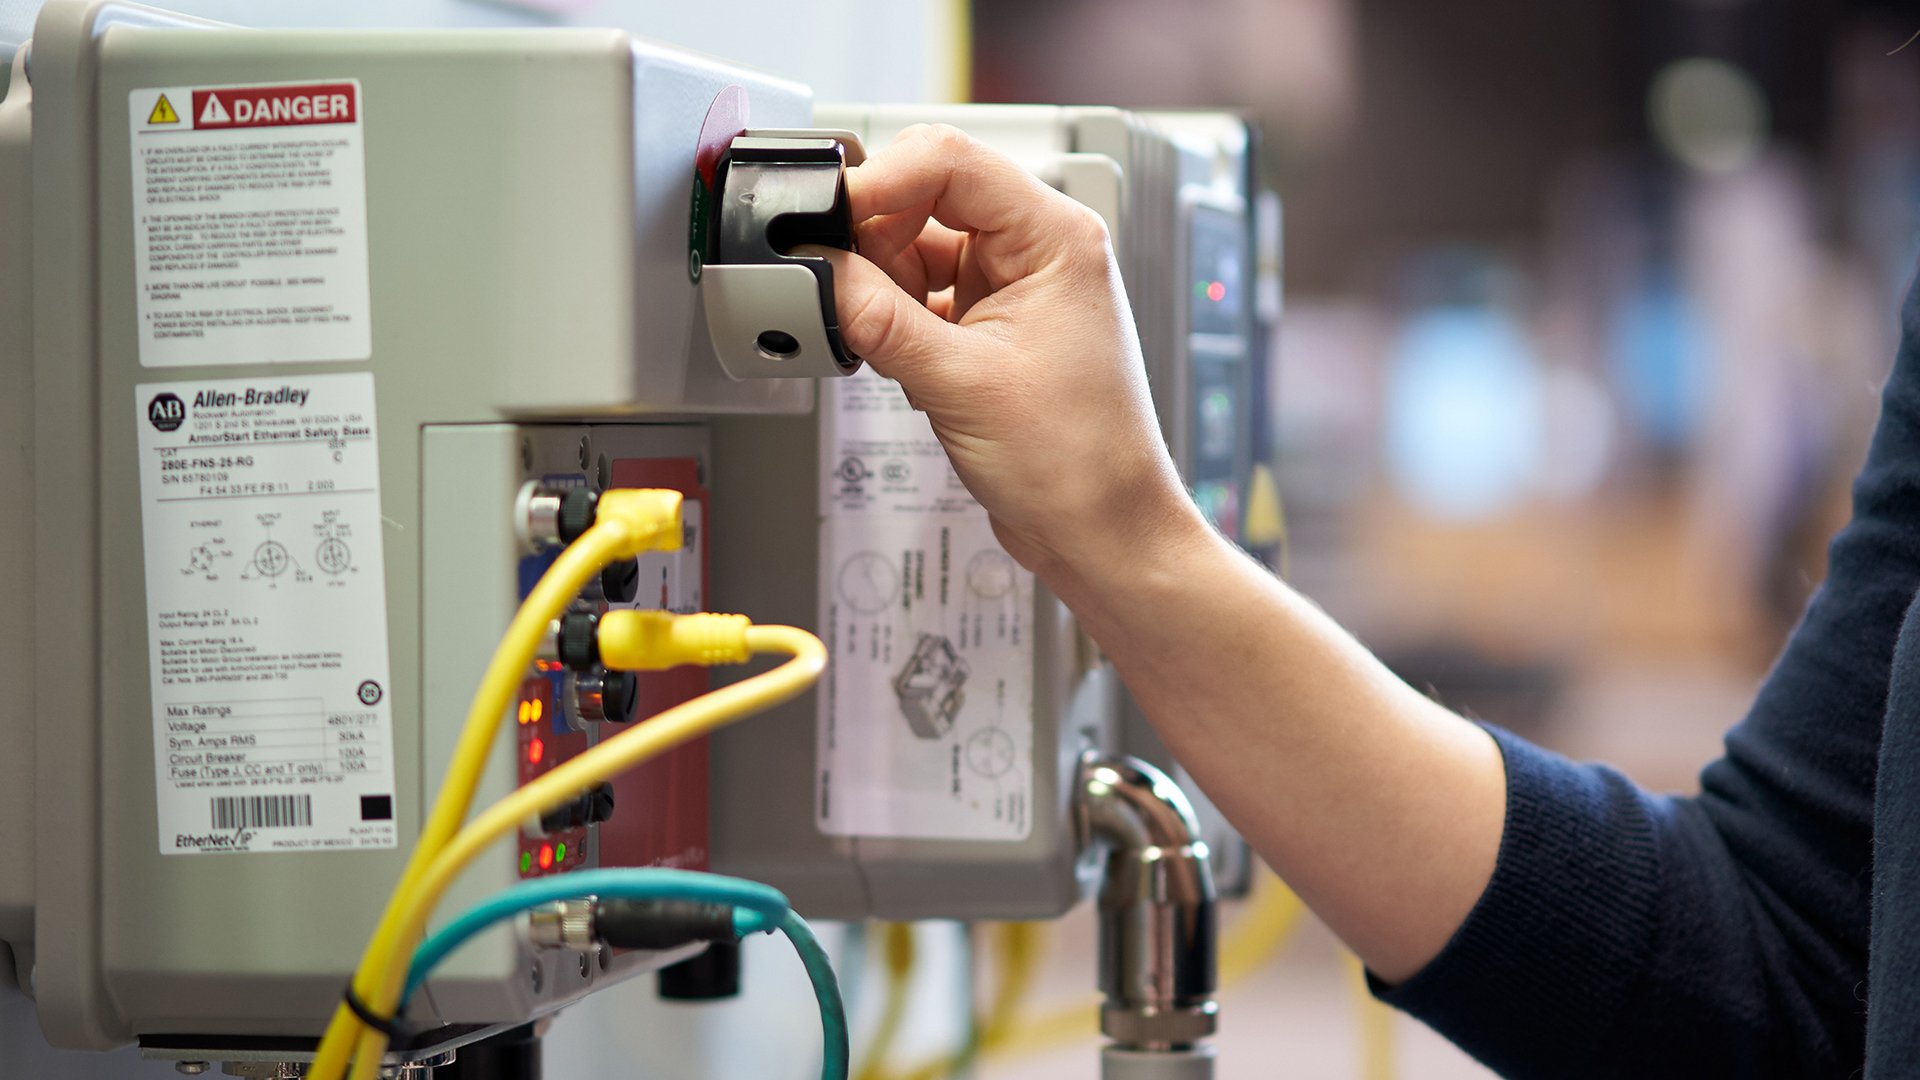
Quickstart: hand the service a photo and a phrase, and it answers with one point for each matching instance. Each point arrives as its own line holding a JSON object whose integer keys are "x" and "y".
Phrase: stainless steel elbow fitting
{"x": 1157, "y": 910}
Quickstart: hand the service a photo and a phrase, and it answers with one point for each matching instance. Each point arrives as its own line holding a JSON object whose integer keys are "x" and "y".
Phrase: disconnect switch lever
{"x": 770, "y": 313}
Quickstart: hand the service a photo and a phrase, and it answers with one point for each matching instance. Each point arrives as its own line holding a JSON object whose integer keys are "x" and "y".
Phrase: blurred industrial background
{"x": 1587, "y": 307}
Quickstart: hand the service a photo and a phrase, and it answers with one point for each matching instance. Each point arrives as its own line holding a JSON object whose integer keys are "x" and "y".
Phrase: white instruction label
{"x": 250, "y": 223}
{"x": 267, "y": 614}
{"x": 926, "y": 711}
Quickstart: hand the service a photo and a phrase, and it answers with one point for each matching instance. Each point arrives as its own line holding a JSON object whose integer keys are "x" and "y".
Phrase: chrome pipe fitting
{"x": 1157, "y": 911}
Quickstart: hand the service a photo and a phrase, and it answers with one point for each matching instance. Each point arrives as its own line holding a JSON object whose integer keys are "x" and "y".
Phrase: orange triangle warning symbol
{"x": 163, "y": 112}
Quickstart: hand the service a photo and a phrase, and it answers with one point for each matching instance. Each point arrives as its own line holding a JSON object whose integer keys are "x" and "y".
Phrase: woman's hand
{"x": 995, "y": 302}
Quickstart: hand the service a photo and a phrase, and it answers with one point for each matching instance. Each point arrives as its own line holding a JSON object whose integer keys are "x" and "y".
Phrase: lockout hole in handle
{"x": 777, "y": 345}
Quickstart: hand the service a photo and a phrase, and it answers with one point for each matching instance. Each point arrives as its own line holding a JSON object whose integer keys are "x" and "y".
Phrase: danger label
{"x": 274, "y": 106}
{"x": 250, "y": 223}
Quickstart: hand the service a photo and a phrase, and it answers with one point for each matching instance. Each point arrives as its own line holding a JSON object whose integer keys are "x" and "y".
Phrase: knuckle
{"x": 943, "y": 141}
{"x": 1086, "y": 234}
{"x": 876, "y": 324}
{"x": 947, "y": 135}
{"x": 1093, "y": 227}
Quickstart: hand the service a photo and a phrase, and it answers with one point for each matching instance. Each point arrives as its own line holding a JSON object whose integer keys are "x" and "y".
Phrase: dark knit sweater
{"x": 1735, "y": 933}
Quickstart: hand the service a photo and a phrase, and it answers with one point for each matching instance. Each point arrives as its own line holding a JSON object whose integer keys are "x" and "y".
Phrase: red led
{"x": 1217, "y": 291}
{"x": 546, "y": 856}
{"x": 536, "y": 750}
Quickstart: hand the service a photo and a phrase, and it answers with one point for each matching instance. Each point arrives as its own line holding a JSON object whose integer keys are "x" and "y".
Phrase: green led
{"x": 560, "y": 853}
{"x": 526, "y": 861}
{"x": 1200, "y": 290}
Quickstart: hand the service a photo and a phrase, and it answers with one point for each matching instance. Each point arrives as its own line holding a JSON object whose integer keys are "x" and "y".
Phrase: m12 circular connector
{"x": 547, "y": 517}
{"x": 600, "y": 696}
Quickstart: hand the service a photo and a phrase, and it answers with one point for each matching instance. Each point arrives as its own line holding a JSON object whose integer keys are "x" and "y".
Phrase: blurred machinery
{"x": 323, "y": 346}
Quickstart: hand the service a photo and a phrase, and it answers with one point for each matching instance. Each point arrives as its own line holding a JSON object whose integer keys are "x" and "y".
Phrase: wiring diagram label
{"x": 926, "y": 712}
{"x": 266, "y": 614}
{"x": 250, "y": 223}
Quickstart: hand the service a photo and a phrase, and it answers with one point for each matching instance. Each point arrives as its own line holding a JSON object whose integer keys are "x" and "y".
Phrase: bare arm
{"x": 996, "y": 303}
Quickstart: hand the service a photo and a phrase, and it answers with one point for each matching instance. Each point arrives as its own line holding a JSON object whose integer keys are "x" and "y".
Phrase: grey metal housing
{"x": 524, "y": 272}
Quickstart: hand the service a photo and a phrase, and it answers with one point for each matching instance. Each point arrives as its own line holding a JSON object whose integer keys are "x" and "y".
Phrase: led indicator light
{"x": 1199, "y": 289}
{"x": 526, "y": 861}
{"x": 1217, "y": 291}
{"x": 526, "y": 711}
{"x": 536, "y": 750}
{"x": 539, "y": 706}
{"x": 560, "y": 853}
{"x": 546, "y": 856}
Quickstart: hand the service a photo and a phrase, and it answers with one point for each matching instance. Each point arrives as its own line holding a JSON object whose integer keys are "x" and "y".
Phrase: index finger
{"x": 967, "y": 186}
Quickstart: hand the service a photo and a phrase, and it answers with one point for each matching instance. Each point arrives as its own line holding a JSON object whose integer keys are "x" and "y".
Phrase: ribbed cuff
{"x": 1537, "y": 975}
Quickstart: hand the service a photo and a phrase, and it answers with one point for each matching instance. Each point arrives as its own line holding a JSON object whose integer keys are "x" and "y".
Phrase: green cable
{"x": 826, "y": 990}
{"x": 757, "y": 909}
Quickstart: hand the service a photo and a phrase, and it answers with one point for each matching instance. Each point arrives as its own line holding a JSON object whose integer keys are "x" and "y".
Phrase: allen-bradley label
{"x": 266, "y": 614}
{"x": 250, "y": 223}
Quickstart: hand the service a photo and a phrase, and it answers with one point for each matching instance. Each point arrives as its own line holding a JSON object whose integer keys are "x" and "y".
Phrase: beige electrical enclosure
{"x": 306, "y": 309}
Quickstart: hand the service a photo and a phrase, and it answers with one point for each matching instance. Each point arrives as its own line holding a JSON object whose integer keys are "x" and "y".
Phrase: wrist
{"x": 1131, "y": 541}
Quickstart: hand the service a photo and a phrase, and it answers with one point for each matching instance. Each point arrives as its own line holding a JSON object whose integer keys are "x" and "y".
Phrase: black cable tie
{"x": 390, "y": 1026}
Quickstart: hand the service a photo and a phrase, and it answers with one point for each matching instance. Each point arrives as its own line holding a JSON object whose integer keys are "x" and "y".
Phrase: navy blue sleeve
{"x": 1628, "y": 934}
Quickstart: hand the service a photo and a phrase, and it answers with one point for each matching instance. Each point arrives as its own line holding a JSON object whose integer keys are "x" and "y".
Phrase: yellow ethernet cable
{"x": 383, "y": 969}
{"x": 626, "y": 523}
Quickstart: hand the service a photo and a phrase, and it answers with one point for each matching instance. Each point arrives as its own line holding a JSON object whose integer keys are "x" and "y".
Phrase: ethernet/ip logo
{"x": 166, "y": 412}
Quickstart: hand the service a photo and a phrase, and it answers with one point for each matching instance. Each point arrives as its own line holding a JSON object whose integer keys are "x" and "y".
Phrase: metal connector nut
{"x": 536, "y": 517}
{"x": 565, "y": 924}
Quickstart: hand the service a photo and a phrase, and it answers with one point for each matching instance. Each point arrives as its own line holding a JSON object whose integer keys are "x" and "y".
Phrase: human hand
{"x": 996, "y": 303}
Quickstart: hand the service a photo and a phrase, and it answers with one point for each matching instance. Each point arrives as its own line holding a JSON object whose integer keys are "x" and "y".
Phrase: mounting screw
{"x": 693, "y": 263}
{"x": 191, "y": 1068}
{"x": 586, "y": 455}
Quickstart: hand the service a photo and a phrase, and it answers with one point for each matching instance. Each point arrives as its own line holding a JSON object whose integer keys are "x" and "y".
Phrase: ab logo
{"x": 166, "y": 412}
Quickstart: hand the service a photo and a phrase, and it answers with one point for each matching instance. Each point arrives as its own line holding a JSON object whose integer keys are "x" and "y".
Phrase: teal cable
{"x": 757, "y": 909}
{"x": 826, "y": 990}
{"x": 763, "y": 905}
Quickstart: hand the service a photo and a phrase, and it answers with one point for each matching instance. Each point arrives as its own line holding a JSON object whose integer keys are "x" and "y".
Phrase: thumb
{"x": 878, "y": 320}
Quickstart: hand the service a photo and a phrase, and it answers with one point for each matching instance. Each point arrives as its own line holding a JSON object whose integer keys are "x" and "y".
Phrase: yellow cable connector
{"x": 651, "y": 517}
{"x": 627, "y": 521}
{"x": 383, "y": 967}
{"x": 656, "y": 640}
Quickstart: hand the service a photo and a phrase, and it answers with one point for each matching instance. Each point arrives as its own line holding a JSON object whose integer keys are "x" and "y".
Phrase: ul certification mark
{"x": 369, "y": 693}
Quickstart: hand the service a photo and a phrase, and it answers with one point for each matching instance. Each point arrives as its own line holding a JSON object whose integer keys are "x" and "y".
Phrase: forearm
{"x": 1380, "y": 807}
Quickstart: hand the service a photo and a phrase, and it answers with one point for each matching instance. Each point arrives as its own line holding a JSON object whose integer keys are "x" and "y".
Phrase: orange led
{"x": 539, "y": 706}
{"x": 536, "y": 750}
{"x": 546, "y": 856}
{"x": 526, "y": 711}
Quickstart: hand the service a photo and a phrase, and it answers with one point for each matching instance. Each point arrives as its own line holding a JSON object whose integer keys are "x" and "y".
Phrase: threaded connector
{"x": 563, "y": 924}
{"x": 577, "y": 640}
